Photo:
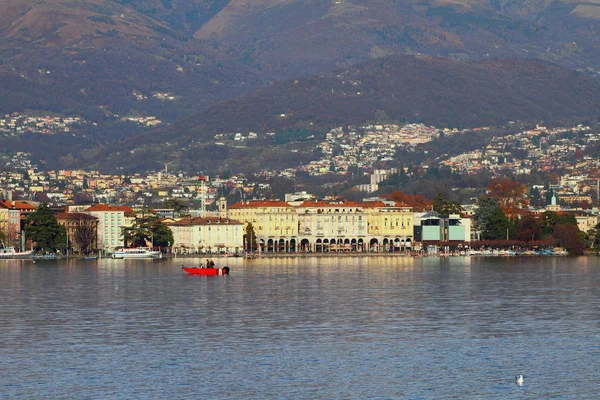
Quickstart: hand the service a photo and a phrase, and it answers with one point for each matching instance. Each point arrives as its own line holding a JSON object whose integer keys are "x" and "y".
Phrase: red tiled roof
{"x": 106, "y": 207}
{"x": 321, "y": 203}
{"x": 259, "y": 203}
{"x": 66, "y": 215}
{"x": 19, "y": 205}
{"x": 375, "y": 204}
{"x": 205, "y": 221}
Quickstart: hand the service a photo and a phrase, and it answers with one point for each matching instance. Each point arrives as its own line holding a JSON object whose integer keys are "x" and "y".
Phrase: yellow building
{"x": 275, "y": 223}
{"x": 391, "y": 223}
{"x": 3, "y": 220}
{"x": 326, "y": 226}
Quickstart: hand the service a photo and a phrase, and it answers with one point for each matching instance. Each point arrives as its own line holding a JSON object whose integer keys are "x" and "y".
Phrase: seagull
{"x": 519, "y": 380}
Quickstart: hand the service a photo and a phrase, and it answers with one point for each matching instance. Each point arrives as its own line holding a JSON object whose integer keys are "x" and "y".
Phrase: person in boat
{"x": 207, "y": 263}
{"x": 211, "y": 264}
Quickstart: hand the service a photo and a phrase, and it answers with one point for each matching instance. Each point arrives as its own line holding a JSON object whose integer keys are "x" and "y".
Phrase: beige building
{"x": 332, "y": 226}
{"x": 207, "y": 235}
{"x": 586, "y": 222}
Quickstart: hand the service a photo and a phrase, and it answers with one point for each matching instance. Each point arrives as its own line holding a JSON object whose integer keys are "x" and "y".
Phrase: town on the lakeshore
{"x": 116, "y": 205}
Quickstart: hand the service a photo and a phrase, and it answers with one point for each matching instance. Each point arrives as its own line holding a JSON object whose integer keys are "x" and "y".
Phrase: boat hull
{"x": 136, "y": 253}
{"x": 23, "y": 255}
{"x": 205, "y": 271}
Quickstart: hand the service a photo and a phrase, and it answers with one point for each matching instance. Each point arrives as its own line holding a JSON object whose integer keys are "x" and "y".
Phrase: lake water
{"x": 302, "y": 328}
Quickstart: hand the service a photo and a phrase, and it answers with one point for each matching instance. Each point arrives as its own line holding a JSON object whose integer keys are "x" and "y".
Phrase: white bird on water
{"x": 519, "y": 380}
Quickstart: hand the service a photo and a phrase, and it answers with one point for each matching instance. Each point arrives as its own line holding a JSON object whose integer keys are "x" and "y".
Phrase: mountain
{"x": 295, "y": 37}
{"x": 208, "y": 66}
{"x": 435, "y": 91}
{"x": 98, "y": 57}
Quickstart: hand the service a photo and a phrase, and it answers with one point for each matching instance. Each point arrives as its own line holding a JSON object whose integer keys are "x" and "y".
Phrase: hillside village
{"x": 295, "y": 223}
{"x": 19, "y": 123}
{"x": 558, "y": 150}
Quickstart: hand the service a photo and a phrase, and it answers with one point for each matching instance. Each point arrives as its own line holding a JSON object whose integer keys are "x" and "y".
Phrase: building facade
{"x": 81, "y": 229}
{"x": 16, "y": 215}
{"x": 111, "y": 221}
{"x": 213, "y": 235}
{"x": 327, "y": 226}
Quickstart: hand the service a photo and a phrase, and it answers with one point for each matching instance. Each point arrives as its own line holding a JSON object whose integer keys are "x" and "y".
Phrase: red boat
{"x": 206, "y": 271}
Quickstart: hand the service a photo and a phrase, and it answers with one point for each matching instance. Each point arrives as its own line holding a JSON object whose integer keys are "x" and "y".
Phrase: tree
{"x": 550, "y": 219}
{"x": 250, "y": 238}
{"x": 569, "y": 237}
{"x": 528, "y": 228}
{"x": 85, "y": 233}
{"x": 491, "y": 220}
{"x": 381, "y": 116}
{"x": 147, "y": 229}
{"x": 162, "y": 235}
{"x": 417, "y": 202}
{"x": 280, "y": 186}
{"x": 444, "y": 206}
{"x": 176, "y": 204}
{"x": 508, "y": 193}
{"x": 43, "y": 229}
{"x": 594, "y": 236}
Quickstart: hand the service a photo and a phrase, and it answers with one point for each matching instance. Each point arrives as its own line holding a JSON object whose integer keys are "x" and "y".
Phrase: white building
{"x": 111, "y": 221}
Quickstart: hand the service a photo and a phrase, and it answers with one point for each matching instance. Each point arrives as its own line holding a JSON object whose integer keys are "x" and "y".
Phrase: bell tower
{"x": 222, "y": 207}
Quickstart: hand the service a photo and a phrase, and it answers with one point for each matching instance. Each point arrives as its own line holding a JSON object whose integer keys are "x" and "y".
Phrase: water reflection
{"x": 348, "y": 327}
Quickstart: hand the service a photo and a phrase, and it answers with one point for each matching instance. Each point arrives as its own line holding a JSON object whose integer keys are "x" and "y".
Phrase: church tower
{"x": 222, "y": 207}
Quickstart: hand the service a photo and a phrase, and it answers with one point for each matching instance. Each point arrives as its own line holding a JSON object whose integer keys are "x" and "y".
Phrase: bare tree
{"x": 85, "y": 233}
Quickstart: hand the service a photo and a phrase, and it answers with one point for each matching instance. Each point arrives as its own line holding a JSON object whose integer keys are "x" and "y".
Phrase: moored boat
{"x": 10, "y": 253}
{"x": 137, "y": 252}
{"x": 206, "y": 271}
{"x": 44, "y": 257}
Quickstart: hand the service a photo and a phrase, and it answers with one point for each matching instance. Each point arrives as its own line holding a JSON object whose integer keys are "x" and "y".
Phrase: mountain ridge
{"x": 438, "y": 92}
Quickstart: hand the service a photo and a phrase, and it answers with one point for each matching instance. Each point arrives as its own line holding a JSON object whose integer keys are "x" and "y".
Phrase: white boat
{"x": 9, "y": 253}
{"x": 137, "y": 252}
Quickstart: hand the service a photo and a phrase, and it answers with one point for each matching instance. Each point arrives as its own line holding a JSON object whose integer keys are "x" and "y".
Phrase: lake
{"x": 302, "y": 328}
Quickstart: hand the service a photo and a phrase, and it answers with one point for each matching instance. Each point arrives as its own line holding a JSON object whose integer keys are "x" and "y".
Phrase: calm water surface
{"x": 312, "y": 328}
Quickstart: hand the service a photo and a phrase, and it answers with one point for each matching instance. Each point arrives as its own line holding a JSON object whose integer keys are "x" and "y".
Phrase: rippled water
{"x": 314, "y": 328}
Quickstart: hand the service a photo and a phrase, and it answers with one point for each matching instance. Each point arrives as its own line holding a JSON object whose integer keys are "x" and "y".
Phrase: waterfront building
{"x": 81, "y": 228}
{"x": 17, "y": 213}
{"x": 390, "y": 225}
{"x": 275, "y": 223}
{"x": 207, "y": 235}
{"x": 327, "y": 226}
{"x": 433, "y": 227}
{"x": 3, "y": 220}
{"x": 111, "y": 221}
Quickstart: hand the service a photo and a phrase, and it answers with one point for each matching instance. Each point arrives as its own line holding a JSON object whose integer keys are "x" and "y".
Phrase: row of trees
{"x": 549, "y": 227}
